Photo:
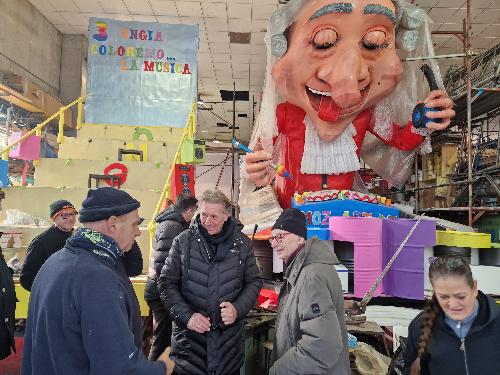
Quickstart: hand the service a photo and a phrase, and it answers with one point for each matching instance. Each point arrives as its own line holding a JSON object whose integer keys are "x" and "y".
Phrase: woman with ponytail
{"x": 458, "y": 333}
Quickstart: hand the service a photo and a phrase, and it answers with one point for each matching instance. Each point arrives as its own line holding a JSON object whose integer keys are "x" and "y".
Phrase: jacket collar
{"x": 315, "y": 251}
{"x": 486, "y": 314}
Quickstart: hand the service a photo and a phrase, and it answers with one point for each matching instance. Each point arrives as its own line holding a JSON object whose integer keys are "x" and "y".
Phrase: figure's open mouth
{"x": 327, "y": 109}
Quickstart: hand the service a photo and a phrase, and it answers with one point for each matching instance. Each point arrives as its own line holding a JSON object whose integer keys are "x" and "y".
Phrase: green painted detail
{"x": 142, "y": 131}
{"x": 193, "y": 151}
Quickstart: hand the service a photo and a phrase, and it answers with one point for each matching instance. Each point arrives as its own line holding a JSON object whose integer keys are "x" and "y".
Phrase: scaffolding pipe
{"x": 467, "y": 29}
{"x": 443, "y": 185}
{"x": 448, "y": 56}
{"x": 417, "y": 194}
{"x": 233, "y": 164}
{"x": 459, "y": 209}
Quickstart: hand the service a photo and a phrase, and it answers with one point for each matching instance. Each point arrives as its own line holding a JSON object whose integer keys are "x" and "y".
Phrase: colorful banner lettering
{"x": 141, "y": 73}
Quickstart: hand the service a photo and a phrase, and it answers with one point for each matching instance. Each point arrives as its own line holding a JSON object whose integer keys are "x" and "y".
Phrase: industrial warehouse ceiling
{"x": 232, "y": 46}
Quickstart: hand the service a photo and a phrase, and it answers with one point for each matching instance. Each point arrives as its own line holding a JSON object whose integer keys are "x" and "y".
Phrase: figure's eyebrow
{"x": 332, "y": 8}
{"x": 382, "y": 10}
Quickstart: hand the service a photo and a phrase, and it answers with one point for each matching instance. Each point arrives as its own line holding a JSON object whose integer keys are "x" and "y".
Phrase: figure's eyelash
{"x": 324, "y": 46}
{"x": 373, "y": 46}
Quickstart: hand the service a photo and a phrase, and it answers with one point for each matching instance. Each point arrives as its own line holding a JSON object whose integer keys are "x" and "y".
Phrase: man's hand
{"x": 439, "y": 99}
{"x": 257, "y": 166}
{"x": 199, "y": 323}
{"x": 228, "y": 313}
{"x": 165, "y": 358}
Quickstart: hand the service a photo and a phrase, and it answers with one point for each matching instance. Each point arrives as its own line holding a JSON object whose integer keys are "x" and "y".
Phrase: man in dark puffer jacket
{"x": 169, "y": 224}
{"x": 209, "y": 283}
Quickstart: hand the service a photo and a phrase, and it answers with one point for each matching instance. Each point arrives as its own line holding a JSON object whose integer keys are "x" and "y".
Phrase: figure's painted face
{"x": 341, "y": 59}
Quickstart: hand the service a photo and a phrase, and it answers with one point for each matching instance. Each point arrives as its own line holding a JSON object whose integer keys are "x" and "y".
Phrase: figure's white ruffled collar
{"x": 321, "y": 157}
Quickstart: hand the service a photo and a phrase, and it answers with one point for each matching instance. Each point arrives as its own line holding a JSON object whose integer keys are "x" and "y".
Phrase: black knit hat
{"x": 58, "y": 206}
{"x": 102, "y": 203}
{"x": 292, "y": 220}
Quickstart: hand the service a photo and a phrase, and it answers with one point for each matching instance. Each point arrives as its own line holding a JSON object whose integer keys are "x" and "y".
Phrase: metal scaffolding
{"x": 474, "y": 87}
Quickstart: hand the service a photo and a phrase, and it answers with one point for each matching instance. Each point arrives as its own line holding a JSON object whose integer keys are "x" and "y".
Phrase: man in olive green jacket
{"x": 311, "y": 335}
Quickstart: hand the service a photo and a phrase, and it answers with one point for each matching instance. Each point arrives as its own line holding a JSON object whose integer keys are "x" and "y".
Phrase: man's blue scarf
{"x": 97, "y": 242}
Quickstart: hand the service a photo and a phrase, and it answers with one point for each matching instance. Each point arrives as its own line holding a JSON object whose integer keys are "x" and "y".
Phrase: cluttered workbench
{"x": 259, "y": 331}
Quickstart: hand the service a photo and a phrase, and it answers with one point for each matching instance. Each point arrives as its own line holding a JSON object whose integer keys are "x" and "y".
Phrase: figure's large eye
{"x": 374, "y": 40}
{"x": 324, "y": 38}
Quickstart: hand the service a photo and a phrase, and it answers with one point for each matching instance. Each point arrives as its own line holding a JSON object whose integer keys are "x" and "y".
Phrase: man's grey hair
{"x": 217, "y": 196}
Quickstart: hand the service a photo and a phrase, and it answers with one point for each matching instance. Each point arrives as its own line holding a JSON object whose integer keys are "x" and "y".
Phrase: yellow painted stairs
{"x": 67, "y": 177}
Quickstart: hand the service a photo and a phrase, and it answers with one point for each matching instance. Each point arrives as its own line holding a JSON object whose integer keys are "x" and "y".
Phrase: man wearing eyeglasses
{"x": 83, "y": 314}
{"x": 311, "y": 335}
{"x": 63, "y": 215}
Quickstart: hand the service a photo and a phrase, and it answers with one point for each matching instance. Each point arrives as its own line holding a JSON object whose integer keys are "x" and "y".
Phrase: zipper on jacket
{"x": 462, "y": 348}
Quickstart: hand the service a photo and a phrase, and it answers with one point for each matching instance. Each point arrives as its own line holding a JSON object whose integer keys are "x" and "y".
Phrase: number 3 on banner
{"x": 121, "y": 176}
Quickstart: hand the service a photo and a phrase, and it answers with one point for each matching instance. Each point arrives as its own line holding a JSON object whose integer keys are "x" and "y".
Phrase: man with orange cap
{"x": 63, "y": 215}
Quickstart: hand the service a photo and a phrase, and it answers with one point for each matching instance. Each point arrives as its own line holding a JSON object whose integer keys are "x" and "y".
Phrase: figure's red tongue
{"x": 328, "y": 110}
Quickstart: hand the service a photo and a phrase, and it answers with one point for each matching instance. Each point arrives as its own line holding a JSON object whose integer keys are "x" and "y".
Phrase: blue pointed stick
{"x": 279, "y": 169}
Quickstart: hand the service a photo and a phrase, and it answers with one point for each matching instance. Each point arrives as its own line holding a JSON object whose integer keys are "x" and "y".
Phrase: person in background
{"x": 132, "y": 261}
{"x": 209, "y": 283}
{"x": 311, "y": 334}
{"x": 63, "y": 215}
{"x": 459, "y": 330}
{"x": 7, "y": 309}
{"x": 169, "y": 224}
{"x": 83, "y": 314}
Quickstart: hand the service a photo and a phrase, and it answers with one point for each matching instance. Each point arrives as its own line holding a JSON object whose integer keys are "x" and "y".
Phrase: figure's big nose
{"x": 346, "y": 73}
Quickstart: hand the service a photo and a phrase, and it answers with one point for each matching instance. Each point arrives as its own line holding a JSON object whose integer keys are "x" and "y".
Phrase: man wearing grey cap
{"x": 83, "y": 315}
{"x": 311, "y": 335}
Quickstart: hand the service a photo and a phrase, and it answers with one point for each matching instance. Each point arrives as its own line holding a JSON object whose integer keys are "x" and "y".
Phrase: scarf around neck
{"x": 216, "y": 239}
{"x": 96, "y": 242}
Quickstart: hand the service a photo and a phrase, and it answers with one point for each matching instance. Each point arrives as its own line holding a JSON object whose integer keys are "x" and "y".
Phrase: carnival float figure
{"x": 336, "y": 90}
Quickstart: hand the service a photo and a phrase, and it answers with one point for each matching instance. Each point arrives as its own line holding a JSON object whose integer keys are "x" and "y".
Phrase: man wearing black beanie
{"x": 311, "y": 335}
{"x": 83, "y": 312}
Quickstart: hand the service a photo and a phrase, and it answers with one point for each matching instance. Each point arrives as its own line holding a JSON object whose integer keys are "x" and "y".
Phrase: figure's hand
{"x": 228, "y": 313}
{"x": 165, "y": 358}
{"x": 199, "y": 323}
{"x": 257, "y": 166}
{"x": 439, "y": 99}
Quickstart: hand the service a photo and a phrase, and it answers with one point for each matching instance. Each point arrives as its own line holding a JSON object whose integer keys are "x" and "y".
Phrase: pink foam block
{"x": 29, "y": 149}
{"x": 366, "y": 234}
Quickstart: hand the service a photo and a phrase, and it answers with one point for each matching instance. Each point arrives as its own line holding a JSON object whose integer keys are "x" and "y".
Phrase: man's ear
{"x": 111, "y": 223}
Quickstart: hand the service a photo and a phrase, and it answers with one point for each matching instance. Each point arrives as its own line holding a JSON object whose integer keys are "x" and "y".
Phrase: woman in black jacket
{"x": 459, "y": 330}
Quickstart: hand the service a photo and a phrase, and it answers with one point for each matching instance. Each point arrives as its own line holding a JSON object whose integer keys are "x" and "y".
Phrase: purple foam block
{"x": 405, "y": 278}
